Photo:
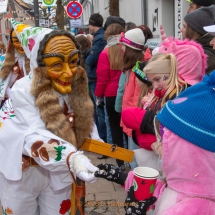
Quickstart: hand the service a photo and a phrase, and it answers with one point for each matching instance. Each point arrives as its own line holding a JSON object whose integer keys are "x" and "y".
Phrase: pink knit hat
{"x": 192, "y": 61}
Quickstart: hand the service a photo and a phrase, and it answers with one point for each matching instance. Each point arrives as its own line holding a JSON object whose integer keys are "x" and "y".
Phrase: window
{"x": 8, "y": 24}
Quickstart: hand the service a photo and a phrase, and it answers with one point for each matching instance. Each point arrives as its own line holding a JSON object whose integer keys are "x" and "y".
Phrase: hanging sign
{"x": 75, "y": 23}
{"x": 49, "y": 3}
{"x": 74, "y": 9}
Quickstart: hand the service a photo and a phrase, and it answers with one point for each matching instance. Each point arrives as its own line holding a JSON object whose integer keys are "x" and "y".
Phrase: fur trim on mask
{"x": 27, "y": 65}
{"x": 49, "y": 107}
{"x": 9, "y": 62}
{"x": 51, "y": 112}
{"x": 82, "y": 106}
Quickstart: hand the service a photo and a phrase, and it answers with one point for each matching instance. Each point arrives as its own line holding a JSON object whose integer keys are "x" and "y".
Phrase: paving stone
{"x": 89, "y": 209}
{"x": 121, "y": 211}
{"x": 100, "y": 210}
{"x": 92, "y": 213}
{"x": 118, "y": 187}
{"x": 110, "y": 213}
{"x": 103, "y": 196}
{"x": 119, "y": 196}
{"x": 90, "y": 197}
{"x": 101, "y": 185}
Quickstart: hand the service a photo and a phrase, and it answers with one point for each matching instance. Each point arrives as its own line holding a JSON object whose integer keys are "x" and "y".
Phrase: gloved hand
{"x": 111, "y": 173}
{"x": 133, "y": 206}
{"x": 100, "y": 102}
{"x": 82, "y": 167}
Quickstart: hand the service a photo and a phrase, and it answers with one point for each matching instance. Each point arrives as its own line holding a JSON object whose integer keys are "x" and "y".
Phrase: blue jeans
{"x": 101, "y": 117}
{"x": 132, "y": 146}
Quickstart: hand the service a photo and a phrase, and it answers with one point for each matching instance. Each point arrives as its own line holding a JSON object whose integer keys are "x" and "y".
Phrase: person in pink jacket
{"x": 108, "y": 73}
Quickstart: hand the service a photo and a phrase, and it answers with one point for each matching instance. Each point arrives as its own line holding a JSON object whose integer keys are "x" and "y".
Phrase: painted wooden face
{"x": 61, "y": 56}
{"x": 17, "y": 44}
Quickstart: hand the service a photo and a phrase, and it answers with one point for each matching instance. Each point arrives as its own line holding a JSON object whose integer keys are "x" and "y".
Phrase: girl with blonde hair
{"x": 161, "y": 71}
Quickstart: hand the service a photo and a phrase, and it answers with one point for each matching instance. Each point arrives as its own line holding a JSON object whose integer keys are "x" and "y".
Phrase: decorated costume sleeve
{"x": 47, "y": 149}
{"x": 53, "y": 155}
{"x": 47, "y": 152}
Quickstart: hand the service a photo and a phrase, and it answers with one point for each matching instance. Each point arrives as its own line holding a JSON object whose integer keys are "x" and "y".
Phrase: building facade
{"x": 153, "y": 13}
{"x": 13, "y": 9}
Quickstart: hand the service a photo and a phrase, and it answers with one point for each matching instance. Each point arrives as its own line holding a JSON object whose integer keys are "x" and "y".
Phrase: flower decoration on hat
{"x": 20, "y": 27}
{"x": 30, "y": 38}
{"x": 25, "y": 32}
{"x": 125, "y": 40}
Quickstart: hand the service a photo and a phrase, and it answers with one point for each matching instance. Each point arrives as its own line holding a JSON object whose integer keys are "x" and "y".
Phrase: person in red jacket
{"x": 108, "y": 73}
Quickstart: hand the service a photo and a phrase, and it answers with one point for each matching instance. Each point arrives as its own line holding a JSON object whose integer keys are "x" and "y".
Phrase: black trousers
{"x": 114, "y": 121}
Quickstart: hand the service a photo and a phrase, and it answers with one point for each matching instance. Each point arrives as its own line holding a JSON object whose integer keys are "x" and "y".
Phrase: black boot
{"x": 103, "y": 157}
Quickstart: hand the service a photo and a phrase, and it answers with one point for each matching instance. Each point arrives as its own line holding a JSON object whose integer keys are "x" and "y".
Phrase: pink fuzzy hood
{"x": 192, "y": 61}
{"x": 189, "y": 169}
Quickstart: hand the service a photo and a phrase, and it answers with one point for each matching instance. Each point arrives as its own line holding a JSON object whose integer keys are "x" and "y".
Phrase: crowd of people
{"x": 136, "y": 95}
{"x": 57, "y": 89}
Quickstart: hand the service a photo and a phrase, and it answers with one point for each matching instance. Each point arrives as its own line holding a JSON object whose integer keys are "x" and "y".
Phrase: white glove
{"x": 83, "y": 168}
{"x": 95, "y": 134}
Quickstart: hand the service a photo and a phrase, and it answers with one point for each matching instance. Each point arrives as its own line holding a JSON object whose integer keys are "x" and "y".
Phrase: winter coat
{"x": 120, "y": 93}
{"x": 107, "y": 79}
{"x": 190, "y": 178}
{"x": 92, "y": 59}
{"x": 132, "y": 118}
{"x": 130, "y": 97}
{"x": 205, "y": 42}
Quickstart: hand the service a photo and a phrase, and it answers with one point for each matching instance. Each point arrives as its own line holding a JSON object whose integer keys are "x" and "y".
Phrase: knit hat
{"x": 204, "y": 3}
{"x": 96, "y": 20}
{"x": 112, "y": 20}
{"x": 134, "y": 39}
{"x": 191, "y": 59}
{"x": 159, "y": 66}
{"x": 138, "y": 71}
{"x": 191, "y": 115}
{"x": 210, "y": 29}
{"x": 201, "y": 17}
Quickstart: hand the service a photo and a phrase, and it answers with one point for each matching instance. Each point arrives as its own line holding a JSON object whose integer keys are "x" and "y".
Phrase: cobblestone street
{"x": 104, "y": 197}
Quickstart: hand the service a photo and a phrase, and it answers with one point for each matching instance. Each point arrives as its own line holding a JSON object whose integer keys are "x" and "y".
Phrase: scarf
{"x": 113, "y": 40}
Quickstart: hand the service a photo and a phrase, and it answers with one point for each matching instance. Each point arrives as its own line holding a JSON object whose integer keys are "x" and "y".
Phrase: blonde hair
{"x": 144, "y": 91}
{"x": 174, "y": 81}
